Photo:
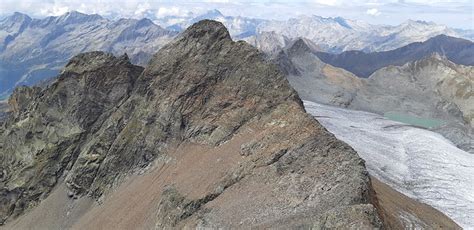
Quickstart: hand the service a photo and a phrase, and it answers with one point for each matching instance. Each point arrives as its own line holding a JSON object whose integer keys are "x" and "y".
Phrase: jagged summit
{"x": 437, "y": 57}
{"x": 73, "y": 17}
{"x": 19, "y": 16}
{"x": 208, "y": 31}
{"x": 216, "y": 120}
{"x": 302, "y": 45}
{"x": 92, "y": 61}
{"x": 443, "y": 40}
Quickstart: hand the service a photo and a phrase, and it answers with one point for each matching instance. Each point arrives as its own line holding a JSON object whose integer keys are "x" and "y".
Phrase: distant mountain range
{"x": 239, "y": 27}
{"x": 32, "y": 50}
{"x": 431, "y": 89}
{"x": 457, "y": 50}
{"x": 331, "y": 34}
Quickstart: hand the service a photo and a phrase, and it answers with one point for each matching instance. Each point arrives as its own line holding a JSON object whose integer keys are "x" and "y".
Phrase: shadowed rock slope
{"x": 226, "y": 140}
{"x": 315, "y": 80}
{"x": 3, "y": 109}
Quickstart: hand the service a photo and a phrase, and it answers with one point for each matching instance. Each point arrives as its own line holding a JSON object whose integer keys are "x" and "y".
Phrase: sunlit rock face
{"x": 230, "y": 141}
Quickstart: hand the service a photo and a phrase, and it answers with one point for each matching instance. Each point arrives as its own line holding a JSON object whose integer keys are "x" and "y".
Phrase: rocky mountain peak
{"x": 438, "y": 56}
{"x": 17, "y": 16}
{"x": 14, "y": 23}
{"x": 433, "y": 59}
{"x": 418, "y": 22}
{"x": 343, "y": 22}
{"x": 145, "y": 22}
{"x": 443, "y": 40}
{"x": 92, "y": 61}
{"x": 207, "y": 31}
{"x": 302, "y": 45}
{"x": 77, "y": 17}
{"x": 215, "y": 118}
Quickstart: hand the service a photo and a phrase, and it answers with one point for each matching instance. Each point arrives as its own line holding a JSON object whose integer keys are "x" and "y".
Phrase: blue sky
{"x": 454, "y": 13}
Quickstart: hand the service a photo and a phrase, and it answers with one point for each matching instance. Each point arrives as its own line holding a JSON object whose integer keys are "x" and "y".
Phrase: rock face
{"x": 32, "y": 50}
{"x": 51, "y": 130}
{"x": 417, "y": 162}
{"x": 3, "y": 110}
{"x": 432, "y": 88}
{"x": 315, "y": 80}
{"x": 363, "y": 64}
{"x": 228, "y": 137}
{"x": 269, "y": 43}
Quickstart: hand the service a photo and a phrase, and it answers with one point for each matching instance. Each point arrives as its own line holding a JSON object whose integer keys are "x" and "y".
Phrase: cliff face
{"x": 229, "y": 139}
{"x": 50, "y": 129}
{"x": 315, "y": 80}
{"x": 433, "y": 87}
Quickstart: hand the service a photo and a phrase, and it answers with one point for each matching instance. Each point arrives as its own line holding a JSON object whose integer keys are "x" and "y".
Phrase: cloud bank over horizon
{"x": 454, "y": 13}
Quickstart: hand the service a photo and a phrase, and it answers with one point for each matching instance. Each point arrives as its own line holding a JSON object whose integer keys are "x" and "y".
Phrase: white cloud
{"x": 217, "y": 1}
{"x": 141, "y": 9}
{"x": 456, "y": 13}
{"x": 329, "y": 2}
{"x": 373, "y": 12}
{"x": 55, "y": 10}
{"x": 170, "y": 11}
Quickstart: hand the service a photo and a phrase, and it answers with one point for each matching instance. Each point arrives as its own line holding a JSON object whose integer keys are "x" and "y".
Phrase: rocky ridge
{"x": 32, "y": 50}
{"x": 430, "y": 88}
{"x": 265, "y": 163}
{"x": 315, "y": 80}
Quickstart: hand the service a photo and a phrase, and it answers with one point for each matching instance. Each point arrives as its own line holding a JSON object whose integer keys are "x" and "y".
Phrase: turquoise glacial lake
{"x": 414, "y": 120}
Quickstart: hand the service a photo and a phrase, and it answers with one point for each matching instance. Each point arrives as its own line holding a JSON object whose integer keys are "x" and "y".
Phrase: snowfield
{"x": 416, "y": 162}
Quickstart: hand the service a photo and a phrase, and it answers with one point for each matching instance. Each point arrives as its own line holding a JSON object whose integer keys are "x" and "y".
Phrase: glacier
{"x": 419, "y": 163}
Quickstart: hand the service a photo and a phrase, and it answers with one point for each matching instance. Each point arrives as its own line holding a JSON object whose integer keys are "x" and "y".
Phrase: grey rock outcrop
{"x": 315, "y": 80}
{"x": 105, "y": 119}
{"x": 433, "y": 87}
{"x": 47, "y": 129}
